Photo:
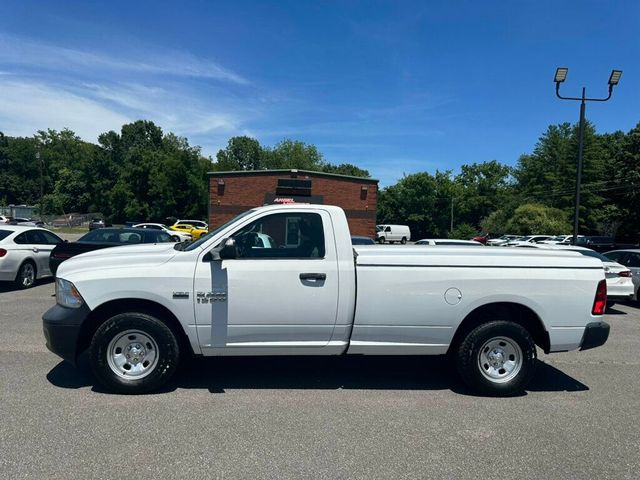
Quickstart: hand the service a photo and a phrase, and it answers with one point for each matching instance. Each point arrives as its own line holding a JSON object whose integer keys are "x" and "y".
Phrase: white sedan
{"x": 175, "y": 235}
{"x": 24, "y": 254}
{"x": 448, "y": 242}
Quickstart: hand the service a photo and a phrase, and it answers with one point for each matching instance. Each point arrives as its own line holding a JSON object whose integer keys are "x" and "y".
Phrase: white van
{"x": 393, "y": 233}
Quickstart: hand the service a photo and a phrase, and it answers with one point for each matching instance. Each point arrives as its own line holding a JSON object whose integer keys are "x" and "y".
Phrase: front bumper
{"x": 595, "y": 334}
{"x": 61, "y": 328}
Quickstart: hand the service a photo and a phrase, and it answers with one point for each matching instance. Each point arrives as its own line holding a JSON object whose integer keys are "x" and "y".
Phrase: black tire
{"x": 27, "y": 275}
{"x": 404, "y": 240}
{"x": 381, "y": 240}
{"x": 497, "y": 338}
{"x": 139, "y": 329}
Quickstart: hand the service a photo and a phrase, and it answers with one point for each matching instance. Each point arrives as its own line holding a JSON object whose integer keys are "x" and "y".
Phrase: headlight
{"x": 67, "y": 295}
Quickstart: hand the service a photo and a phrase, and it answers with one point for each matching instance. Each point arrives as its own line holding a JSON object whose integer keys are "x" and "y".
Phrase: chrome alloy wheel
{"x": 132, "y": 354}
{"x": 500, "y": 359}
{"x": 27, "y": 275}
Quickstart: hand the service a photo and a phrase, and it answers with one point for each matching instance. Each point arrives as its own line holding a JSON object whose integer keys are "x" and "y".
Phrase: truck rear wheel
{"x": 404, "y": 240}
{"x": 133, "y": 353}
{"x": 497, "y": 358}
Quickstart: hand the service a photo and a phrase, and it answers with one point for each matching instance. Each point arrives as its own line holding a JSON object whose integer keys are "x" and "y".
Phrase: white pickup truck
{"x": 285, "y": 280}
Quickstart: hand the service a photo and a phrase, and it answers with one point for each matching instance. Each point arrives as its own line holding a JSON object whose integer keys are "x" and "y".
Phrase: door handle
{"x": 313, "y": 276}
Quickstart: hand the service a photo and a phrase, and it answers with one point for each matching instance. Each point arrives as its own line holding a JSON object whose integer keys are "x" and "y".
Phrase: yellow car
{"x": 196, "y": 233}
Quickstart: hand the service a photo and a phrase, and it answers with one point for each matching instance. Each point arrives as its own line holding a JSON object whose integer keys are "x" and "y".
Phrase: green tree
{"x": 536, "y": 219}
{"x": 346, "y": 169}
{"x": 483, "y": 187}
{"x": 241, "y": 153}
{"x": 295, "y": 154}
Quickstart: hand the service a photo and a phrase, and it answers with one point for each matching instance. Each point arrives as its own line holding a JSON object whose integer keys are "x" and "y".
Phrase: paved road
{"x": 316, "y": 418}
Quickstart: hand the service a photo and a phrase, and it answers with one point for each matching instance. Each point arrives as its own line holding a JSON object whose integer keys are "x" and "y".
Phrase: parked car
{"x": 24, "y": 253}
{"x": 630, "y": 258}
{"x": 196, "y": 233}
{"x": 620, "y": 286}
{"x": 139, "y": 309}
{"x": 603, "y": 244}
{"x": 177, "y": 236}
{"x": 393, "y": 233}
{"x": 97, "y": 223}
{"x": 5, "y": 219}
{"x": 449, "y": 242}
{"x": 527, "y": 239}
{"x": 105, "y": 238}
{"x": 361, "y": 240}
{"x": 561, "y": 240}
{"x": 483, "y": 238}
{"x": 202, "y": 225}
{"x": 501, "y": 240}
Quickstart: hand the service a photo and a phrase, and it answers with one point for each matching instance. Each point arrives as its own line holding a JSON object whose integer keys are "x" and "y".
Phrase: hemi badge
{"x": 183, "y": 295}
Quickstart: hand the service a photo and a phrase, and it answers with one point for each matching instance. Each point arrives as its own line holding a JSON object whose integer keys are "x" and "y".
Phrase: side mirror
{"x": 225, "y": 251}
{"x": 228, "y": 249}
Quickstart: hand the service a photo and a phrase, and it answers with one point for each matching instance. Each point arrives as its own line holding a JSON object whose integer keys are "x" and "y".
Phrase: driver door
{"x": 280, "y": 292}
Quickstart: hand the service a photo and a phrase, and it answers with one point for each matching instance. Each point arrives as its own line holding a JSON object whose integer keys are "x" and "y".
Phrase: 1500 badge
{"x": 208, "y": 297}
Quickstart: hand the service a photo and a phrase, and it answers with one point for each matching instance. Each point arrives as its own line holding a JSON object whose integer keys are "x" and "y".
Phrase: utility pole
{"x": 451, "y": 228}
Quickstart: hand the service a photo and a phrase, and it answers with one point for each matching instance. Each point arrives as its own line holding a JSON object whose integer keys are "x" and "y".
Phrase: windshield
{"x": 205, "y": 238}
{"x": 379, "y": 228}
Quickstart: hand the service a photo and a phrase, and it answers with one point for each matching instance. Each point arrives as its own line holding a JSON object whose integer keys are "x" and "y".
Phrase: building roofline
{"x": 289, "y": 171}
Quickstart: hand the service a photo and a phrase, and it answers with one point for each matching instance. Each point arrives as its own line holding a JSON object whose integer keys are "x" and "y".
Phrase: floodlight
{"x": 615, "y": 77}
{"x": 561, "y": 74}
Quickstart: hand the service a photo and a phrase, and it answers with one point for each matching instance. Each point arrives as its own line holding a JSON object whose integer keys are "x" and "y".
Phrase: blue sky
{"x": 394, "y": 87}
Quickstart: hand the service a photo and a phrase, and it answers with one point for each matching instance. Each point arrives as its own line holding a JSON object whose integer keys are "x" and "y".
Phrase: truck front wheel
{"x": 497, "y": 358}
{"x": 133, "y": 353}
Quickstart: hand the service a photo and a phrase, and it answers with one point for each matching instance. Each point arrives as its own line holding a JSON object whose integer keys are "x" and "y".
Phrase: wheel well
{"x": 514, "y": 312}
{"x": 114, "y": 307}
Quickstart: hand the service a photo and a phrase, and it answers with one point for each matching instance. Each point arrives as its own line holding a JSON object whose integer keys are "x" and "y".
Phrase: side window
{"x": 161, "y": 237}
{"x": 21, "y": 239}
{"x": 616, "y": 256}
{"x": 130, "y": 237}
{"x": 51, "y": 238}
{"x": 388, "y": 229}
{"x": 282, "y": 235}
{"x": 633, "y": 260}
{"x": 36, "y": 237}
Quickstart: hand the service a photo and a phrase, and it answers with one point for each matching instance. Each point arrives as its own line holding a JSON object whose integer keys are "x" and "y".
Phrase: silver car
{"x": 631, "y": 260}
{"x": 24, "y": 254}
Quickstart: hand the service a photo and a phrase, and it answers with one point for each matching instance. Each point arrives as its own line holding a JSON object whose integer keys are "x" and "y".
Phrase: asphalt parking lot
{"x": 315, "y": 417}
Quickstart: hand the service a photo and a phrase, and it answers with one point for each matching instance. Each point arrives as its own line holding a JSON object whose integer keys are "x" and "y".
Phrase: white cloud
{"x": 20, "y": 51}
{"x": 175, "y": 111}
{"x": 91, "y": 109}
{"x": 28, "y": 107}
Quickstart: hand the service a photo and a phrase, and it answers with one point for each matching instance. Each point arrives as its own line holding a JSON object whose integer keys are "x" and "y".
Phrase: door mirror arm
{"x": 227, "y": 250}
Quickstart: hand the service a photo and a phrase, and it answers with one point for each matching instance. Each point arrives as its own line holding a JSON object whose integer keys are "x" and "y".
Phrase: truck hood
{"x": 130, "y": 256}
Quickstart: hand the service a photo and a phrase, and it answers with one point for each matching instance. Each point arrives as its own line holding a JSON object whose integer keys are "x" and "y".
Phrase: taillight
{"x": 3, "y": 252}
{"x": 600, "y": 302}
{"x": 625, "y": 273}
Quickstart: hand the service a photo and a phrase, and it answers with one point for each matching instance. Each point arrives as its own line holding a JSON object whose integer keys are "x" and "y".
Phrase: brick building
{"x": 231, "y": 193}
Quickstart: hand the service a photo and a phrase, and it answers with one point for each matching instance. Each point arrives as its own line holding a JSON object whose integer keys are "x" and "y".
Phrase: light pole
{"x": 38, "y": 159}
{"x": 561, "y": 76}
